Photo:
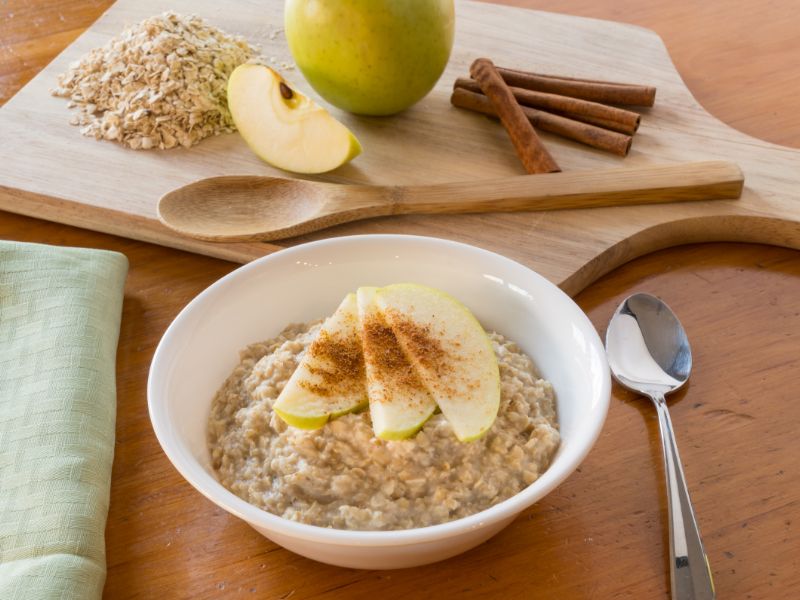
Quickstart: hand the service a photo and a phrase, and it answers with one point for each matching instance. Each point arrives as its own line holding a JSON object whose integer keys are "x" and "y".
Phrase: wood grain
{"x": 31, "y": 36}
{"x": 462, "y": 145}
{"x": 236, "y": 209}
{"x": 602, "y": 533}
{"x": 719, "y": 49}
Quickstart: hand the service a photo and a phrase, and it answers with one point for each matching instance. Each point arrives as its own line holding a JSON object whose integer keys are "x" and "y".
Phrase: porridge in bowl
{"x": 342, "y": 475}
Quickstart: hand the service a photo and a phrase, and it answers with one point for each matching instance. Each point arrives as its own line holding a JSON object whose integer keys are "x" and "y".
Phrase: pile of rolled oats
{"x": 159, "y": 84}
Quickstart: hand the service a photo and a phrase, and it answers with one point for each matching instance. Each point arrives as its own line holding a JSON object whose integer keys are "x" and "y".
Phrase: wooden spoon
{"x": 249, "y": 208}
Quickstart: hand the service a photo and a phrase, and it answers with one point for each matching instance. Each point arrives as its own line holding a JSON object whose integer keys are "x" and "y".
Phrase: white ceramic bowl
{"x": 306, "y": 282}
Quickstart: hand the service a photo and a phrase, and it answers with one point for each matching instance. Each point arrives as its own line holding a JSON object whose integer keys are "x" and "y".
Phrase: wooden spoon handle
{"x": 711, "y": 180}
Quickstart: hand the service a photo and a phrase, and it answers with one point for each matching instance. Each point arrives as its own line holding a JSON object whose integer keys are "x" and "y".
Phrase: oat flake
{"x": 159, "y": 84}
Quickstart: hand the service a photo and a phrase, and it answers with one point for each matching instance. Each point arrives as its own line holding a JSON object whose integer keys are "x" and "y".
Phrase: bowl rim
{"x": 272, "y": 523}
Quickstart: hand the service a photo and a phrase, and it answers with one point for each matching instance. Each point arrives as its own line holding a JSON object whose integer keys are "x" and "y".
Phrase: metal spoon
{"x": 648, "y": 353}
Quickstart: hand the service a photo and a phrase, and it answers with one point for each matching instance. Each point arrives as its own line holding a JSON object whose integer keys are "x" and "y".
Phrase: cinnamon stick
{"x": 605, "y": 92}
{"x": 597, "y": 122}
{"x": 534, "y": 156}
{"x": 596, "y": 137}
{"x": 626, "y": 121}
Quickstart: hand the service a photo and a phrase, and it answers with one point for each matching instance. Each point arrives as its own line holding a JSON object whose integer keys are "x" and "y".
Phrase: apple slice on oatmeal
{"x": 399, "y": 404}
{"x": 451, "y": 352}
{"x": 329, "y": 381}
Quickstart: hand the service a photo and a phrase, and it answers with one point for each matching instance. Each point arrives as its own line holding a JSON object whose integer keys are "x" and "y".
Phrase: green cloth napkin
{"x": 59, "y": 324}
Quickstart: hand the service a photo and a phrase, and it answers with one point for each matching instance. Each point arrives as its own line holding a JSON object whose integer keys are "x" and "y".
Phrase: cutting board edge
{"x": 748, "y": 228}
{"x": 126, "y": 225}
{"x": 744, "y": 138}
{"x": 741, "y": 228}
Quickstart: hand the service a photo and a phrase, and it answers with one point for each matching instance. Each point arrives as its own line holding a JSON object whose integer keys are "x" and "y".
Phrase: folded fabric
{"x": 59, "y": 325}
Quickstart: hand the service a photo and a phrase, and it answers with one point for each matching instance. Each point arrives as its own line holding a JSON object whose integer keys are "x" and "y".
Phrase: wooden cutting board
{"x": 48, "y": 170}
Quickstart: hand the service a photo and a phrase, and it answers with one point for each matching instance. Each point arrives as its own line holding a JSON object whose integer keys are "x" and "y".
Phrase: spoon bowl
{"x": 648, "y": 349}
{"x": 648, "y": 353}
{"x": 291, "y": 201}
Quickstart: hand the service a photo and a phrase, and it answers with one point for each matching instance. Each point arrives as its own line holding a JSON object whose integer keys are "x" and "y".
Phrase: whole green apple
{"x": 370, "y": 57}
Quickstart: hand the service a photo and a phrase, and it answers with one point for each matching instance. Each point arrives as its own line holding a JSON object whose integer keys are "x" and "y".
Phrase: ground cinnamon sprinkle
{"x": 386, "y": 357}
{"x": 423, "y": 344}
{"x": 343, "y": 373}
{"x": 435, "y": 358}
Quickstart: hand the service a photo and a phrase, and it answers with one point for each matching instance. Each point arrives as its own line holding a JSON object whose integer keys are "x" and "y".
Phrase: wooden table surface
{"x": 602, "y": 534}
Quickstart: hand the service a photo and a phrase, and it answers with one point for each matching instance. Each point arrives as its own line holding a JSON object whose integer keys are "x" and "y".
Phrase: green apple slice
{"x": 399, "y": 403}
{"x": 451, "y": 351}
{"x": 283, "y": 127}
{"x": 329, "y": 381}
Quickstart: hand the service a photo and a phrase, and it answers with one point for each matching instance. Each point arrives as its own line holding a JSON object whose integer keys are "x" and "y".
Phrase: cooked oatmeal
{"x": 342, "y": 476}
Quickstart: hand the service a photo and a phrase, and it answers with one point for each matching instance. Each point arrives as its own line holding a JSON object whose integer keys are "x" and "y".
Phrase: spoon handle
{"x": 690, "y": 574}
{"x": 708, "y": 180}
